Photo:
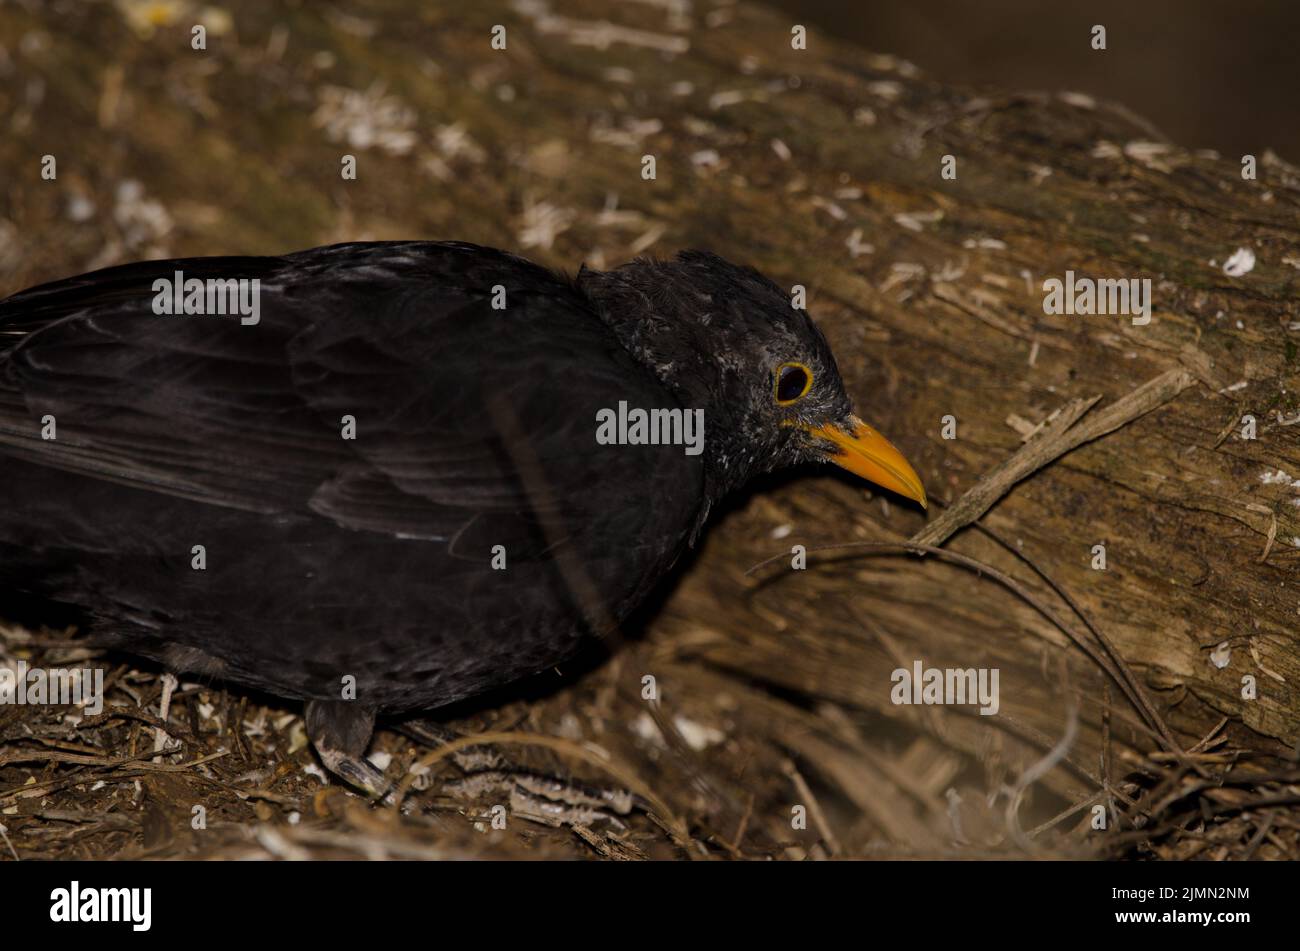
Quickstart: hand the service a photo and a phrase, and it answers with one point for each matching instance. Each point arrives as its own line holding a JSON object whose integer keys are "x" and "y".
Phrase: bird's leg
{"x": 544, "y": 798}
{"x": 341, "y": 730}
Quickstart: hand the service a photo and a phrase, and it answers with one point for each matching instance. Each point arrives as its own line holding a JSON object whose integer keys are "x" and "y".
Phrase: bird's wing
{"x": 463, "y": 412}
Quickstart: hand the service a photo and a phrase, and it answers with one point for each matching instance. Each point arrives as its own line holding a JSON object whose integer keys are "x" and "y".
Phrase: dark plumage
{"x": 474, "y": 427}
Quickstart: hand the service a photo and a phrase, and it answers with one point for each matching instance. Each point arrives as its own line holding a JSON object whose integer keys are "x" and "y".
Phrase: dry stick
{"x": 1105, "y": 752}
{"x": 128, "y": 713}
{"x": 169, "y": 685}
{"x": 744, "y": 824}
{"x": 1006, "y": 581}
{"x": 1206, "y": 813}
{"x": 1065, "y": 813}
{"x": 980, "y": 568}
{"x": 139, "y": 768}
{"x": 1055, "y": 440}
{"x": 1204, "y": 742}
{"x": 4, "y": 835}
{"x": 687, "y": 758}
{"x": 1258, "y": 837}
{"x": 111, "y": 762}
{"x": 674, "y": 824}
{"x": 814, "y": 807}
{"x": 1129, "y": 684}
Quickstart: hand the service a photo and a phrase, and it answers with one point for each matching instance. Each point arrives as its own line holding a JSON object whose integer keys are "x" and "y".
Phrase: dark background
{"x": 1218, "y": 74}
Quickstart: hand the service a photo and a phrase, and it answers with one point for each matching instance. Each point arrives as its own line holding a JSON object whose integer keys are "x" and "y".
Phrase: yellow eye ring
{"x": 791, "y": 383}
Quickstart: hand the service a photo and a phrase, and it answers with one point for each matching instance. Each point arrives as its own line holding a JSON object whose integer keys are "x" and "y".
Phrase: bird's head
{"x": 726, "y": 339}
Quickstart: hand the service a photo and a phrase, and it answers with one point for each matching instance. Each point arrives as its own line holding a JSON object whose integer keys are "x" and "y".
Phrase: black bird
{"x": 383, "y": 490}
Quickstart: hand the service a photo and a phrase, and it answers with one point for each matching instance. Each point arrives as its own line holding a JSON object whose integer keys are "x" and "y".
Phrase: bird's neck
{"x": 650, "y": 325}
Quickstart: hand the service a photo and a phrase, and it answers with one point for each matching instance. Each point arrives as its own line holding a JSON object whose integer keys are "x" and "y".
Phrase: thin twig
{"x": 1055, "y": 440}
{"x": 1130, "y": 684}
{"x": 814, "y": 807}
{"x": 982, "y": 568}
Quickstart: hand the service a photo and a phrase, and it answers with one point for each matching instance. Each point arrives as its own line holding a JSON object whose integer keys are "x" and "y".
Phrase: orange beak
{"x": 866, "y": 453}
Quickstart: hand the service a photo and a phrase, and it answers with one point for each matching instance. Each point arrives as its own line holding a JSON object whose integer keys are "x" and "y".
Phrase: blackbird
{"x": 382, "y": 477}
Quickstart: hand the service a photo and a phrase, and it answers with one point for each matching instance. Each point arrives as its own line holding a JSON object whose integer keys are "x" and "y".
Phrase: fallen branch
{"x": 1056, "y": 438}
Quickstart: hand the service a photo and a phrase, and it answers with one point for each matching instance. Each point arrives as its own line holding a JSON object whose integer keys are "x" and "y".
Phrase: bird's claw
{"x": 358, "y": 773}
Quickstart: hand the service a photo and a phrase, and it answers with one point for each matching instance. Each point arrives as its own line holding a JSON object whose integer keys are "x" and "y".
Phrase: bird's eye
{"x": 793, "y": 381}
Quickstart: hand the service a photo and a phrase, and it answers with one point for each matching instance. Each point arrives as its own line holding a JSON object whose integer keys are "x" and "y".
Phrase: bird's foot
{"x": 341, "y": 731}
{"x": 356, "y": 771}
